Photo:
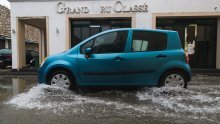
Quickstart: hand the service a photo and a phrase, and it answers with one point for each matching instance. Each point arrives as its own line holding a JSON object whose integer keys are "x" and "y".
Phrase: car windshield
{"x": 32, "y": 52}
{"x": 5, "y": 51}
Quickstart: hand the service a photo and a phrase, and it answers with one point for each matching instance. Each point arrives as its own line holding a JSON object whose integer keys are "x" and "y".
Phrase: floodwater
{"x": 23, "y": 101}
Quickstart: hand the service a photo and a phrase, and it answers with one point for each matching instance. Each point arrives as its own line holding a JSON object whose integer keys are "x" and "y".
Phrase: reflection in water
{"x": 10, "y": 86}
{"x": 19, "y": 85}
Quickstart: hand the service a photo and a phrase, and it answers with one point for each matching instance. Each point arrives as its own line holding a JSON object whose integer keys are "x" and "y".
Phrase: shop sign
{"x": 118, "y": 7}
{"x": 62, "y": 8}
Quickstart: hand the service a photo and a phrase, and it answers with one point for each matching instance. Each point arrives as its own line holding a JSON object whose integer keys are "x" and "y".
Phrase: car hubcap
{"x": 60, "y": 80}
{"x": 174, "y": 80}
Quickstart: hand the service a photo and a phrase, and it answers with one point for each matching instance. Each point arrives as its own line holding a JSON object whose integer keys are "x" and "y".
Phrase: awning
{"x": 2, "y": 38}
{"x": 31, "y": 41}
{"x": 7, "y": 37}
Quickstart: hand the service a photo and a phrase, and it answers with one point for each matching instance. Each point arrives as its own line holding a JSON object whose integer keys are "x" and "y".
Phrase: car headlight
{"x": 43, "y": 62}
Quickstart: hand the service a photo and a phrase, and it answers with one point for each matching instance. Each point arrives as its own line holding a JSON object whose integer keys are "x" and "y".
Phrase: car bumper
{"x": 189, "y": 73}
{"x": 41, "y": 76}
{"x": 3, "y": 62}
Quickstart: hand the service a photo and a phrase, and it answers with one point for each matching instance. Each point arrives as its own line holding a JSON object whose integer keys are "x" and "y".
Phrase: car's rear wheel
{"x": 62, "y": 79}
{"x": 174, "y": 78}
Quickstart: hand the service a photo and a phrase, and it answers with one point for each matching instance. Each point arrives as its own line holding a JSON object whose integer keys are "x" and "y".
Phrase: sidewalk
{"x": 33, "y": 71}
{"x": 20, "y": 72}
{"x": 209, "y": 72}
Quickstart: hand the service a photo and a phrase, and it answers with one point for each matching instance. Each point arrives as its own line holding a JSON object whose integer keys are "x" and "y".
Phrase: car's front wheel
{"x": 61, "y": 79}
{"x": 3, "y": 66}
{"x": 174, "y": 78}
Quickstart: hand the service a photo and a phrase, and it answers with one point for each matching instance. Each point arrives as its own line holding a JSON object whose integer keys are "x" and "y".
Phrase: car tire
{"x": 174, "y": 78}
{"x": 63, "y": 79}
{"x": 3, "y": 66}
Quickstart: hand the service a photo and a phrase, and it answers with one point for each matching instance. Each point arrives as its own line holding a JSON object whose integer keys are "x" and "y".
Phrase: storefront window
{"x": 85, "y": 32}
{"x": 203, "y": 33}
{"x": 82, "y": 29}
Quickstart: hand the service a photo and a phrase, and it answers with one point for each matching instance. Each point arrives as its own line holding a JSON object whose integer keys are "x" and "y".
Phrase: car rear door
{"x": 145, "y": 57}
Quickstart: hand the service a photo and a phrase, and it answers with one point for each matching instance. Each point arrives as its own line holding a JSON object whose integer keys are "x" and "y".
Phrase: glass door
{"x": 198, "y": 37}
{"x": 190, "y": 42}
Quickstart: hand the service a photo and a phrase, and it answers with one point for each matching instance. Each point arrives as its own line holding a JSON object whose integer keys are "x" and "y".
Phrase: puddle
{"x": 200, "y": 103}
{"x": 165, "y": 102}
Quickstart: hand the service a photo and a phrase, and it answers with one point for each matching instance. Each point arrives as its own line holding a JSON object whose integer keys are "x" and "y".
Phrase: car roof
{"x": 141, "y": 29}
{"x": 5, "y": 51}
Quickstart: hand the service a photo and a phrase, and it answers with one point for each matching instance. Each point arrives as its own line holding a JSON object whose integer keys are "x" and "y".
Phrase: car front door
{"x": 146, "y": 56}
{"x": 105, "y": 65}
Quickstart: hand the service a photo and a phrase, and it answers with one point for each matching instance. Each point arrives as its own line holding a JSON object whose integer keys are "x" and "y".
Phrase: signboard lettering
{"x": 118, "y": 7}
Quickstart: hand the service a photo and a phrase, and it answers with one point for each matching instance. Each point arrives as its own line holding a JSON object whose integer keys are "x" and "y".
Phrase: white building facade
{"x": 65, "y": 23}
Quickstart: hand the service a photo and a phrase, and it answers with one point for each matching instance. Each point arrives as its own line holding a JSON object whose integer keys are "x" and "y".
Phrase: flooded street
{"x": 23, "y": 101}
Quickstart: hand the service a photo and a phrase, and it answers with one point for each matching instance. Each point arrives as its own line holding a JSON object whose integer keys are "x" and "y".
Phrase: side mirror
{"x": 88, "y": 51}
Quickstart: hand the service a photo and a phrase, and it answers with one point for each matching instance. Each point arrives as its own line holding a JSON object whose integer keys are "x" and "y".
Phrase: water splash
{"x": 180, "y": 100}
{"x": 168, "y": 102}
{"x": 59, "y": 99}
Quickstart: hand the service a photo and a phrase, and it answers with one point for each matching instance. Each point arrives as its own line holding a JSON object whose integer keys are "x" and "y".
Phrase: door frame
{"x": 20, "y": 40}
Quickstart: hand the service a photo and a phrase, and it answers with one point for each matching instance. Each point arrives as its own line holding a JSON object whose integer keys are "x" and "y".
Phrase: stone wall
{"x": 5, "y": 23}
{"x": 31, "y": 33}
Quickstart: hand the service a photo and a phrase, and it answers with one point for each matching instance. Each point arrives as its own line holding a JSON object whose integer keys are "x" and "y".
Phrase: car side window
{"x": 34, "y": 53}
{"x": 113, "y": 42}
{"x": 148, "y": 41}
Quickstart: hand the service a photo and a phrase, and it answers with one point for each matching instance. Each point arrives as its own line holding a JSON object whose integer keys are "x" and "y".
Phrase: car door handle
{"x": 118, "y": 58}
{"x": 161, "y": 56}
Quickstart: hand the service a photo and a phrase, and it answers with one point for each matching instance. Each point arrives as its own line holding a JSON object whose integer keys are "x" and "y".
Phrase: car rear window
{"x": 148, "y": 41}
{"x": 5, "y": 51}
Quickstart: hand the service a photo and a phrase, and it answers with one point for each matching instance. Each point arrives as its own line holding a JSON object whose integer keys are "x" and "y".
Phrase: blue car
{"x": 119, "y": 58}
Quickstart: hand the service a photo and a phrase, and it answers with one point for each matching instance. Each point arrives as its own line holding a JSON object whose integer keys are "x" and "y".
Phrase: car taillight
{"x": 8, "y": 56}
{"x": 187, "y": 57}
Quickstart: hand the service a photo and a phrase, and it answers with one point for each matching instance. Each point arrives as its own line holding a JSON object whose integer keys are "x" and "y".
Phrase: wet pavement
{"x": 23, "y": 101}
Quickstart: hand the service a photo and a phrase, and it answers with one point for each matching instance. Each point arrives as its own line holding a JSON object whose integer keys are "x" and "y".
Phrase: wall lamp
{"x": 57, "y": 30}
{"x": 13, "y": 31}
{"x": 216, "y": 7}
